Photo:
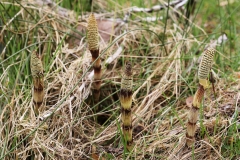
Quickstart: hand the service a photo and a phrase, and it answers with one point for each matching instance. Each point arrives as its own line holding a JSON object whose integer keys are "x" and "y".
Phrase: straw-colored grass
{"x": 164, "y": 57}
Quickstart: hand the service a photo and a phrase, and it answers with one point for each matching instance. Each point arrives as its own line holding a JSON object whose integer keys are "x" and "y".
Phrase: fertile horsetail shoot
{"x": 38, "y": 82}
{"x": 203, "y": 72}
{"x": 126, "y": 103}
{"x": 93, "y": 46}
{"x": 205, "y": 67}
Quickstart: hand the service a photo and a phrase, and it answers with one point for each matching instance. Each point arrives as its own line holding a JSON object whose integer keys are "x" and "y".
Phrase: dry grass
{"x": 163, "y": 76}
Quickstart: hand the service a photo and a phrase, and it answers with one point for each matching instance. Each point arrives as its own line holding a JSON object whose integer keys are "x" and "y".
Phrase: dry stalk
{"x": 93, "y": 46}
{"x": 203, "y": 72}
{"x": 126, "y": 103}
{"x": 38, "y": 81}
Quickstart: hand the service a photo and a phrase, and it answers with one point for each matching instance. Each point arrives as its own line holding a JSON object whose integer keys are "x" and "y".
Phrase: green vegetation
{"x": 164, "y": 55}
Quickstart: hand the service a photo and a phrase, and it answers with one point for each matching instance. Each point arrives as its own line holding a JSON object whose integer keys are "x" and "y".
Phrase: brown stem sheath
{"x": 193, "y": 115}
{"x": 97, "y": 75}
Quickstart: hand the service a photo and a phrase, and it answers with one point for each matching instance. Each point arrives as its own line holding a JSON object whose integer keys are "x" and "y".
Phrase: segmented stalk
{"x": 193, "y": 115}
{"x": 126, "y": 103}
{"x": 203, "y": 72}
{"x": 93, "y": 46}
{"x": 38, "y": 81}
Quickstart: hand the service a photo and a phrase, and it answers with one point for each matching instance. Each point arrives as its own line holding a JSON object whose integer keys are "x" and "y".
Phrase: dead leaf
{"x": 75, "y": 38}
{"x": 106, "y": 29}
{"x": 189, "y": 101}
{"x": 95, "y": 156}
{"x": 139, "y": 130}
{"x": 237, "y": 74}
